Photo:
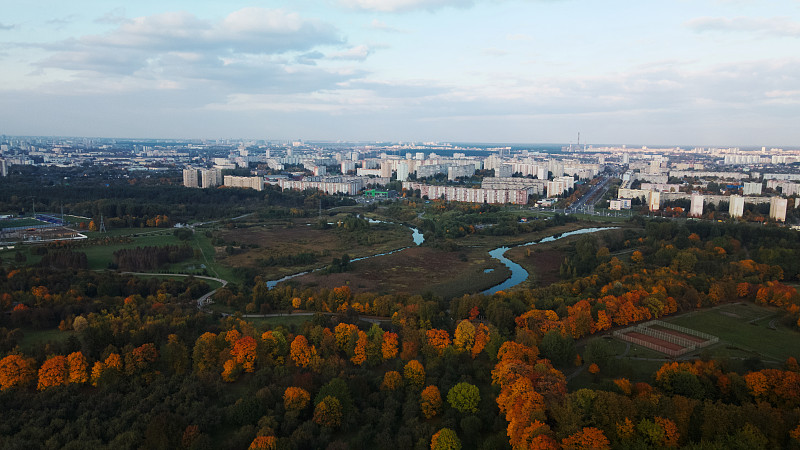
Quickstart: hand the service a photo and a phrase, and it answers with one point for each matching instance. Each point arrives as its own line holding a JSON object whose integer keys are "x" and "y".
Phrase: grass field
{"x": 289, "y": 321}
{"x": 744, "y": 328}
{"x": 38, "y": 338}
{"x": 21, "y": 222}
{"x": 100, "y": 256}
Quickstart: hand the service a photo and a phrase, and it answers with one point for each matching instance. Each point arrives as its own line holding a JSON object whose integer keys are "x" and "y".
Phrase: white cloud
{"x": 382, "y": 26}
{"x": 250, "y": 49}
{"x": 779, "y": 26}
{"x": 404, "y": 5}
{"x": 357, "y": 53}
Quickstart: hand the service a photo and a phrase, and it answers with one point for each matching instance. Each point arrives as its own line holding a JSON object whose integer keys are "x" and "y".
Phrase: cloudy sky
{"x": 688, "y": 72}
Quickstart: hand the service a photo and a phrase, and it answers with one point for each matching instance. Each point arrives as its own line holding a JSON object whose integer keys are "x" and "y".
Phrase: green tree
{"x": 558, "y": 348}
{"x": 464, "y": 397}
{"x": 445, "y": 439}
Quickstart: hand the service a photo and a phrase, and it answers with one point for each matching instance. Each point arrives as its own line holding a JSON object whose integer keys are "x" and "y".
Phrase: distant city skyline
{"x": 705, "y": 73}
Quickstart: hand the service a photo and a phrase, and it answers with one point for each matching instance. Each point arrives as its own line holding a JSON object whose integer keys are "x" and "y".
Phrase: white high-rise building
{"x": 3, "y": 168}
{"x": 190, "y": 177}
{"x": 736, "y": 206}
{"x": 559, "y": 185}
{"x": 752, "y": 188}
{"x": 402, "y": 171}
{"x": 696, "y": 210}
{"x": 777, "y": 209}
{"x": 654, "y": 200}
{"x": 210, "y": 178}
{"x": 256, "y": 183}
{"x": 504, "y": 171}
{"x": 347, "y": 166}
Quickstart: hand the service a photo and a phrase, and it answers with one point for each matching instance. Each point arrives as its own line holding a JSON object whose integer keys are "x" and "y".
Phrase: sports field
{"x": 744, "y": 328}
{"x": 21, "y": 222}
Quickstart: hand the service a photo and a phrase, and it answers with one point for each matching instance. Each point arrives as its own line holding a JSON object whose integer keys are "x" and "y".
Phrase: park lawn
{"x": 289, "y": 321}
{"x": 731, "y": 323}
{"x": 7, "y": 256}
{"x": 638, "y": 364}
{"x": 635, "y": 371}
{"x": 100, "y": 256}
{"x": 21, "y": 222}
{"x": 38, "y": 338}
{"x": 214, "y": 268}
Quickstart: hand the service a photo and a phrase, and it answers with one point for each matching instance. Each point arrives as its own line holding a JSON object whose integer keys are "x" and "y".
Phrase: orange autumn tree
{"x": 114, "y": 361}
{"x": 300, "y": 352}
{"x": 438, "y": 339}
{"x": 360, "y": 351}
{"x": 391, "y": 381}
{"x": 481, "y": 339}
{"x": 524, "y": 380}
{"x": 230, "y": 371}
{"x": 295, "y": 398}
{"x": 625, "y": 430}
{"x": 97, "y": 371}
{"x": 232, "y": 336}
{"x": 414, "y": 373}
{"x": 244, "y": 353}
{"x": 140, "y": 358}
{"x": 671, "y": 434}
{"x": 389, "y": 345}
{"x": 16, "y": 371}
{"x": 54, "y": 372}
{"x": 430, "y": 401}
{"x": 589, "y": 438}
{"x": 78, "y": 368}
{"x": 264, "y": 443}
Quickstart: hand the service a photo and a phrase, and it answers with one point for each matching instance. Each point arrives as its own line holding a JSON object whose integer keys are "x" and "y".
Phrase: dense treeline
{"x": 64, "y": 259}
{"x": 131, "y": 201}
{"x": 149, "y": 258}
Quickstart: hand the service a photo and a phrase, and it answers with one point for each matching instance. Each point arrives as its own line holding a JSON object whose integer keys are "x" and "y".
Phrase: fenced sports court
{"x": 663, "y": 337}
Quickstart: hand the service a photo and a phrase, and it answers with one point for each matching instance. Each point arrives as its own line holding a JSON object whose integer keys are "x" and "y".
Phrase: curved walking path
{"x": 370, "y": 319}
{"x": 202, "y": 301}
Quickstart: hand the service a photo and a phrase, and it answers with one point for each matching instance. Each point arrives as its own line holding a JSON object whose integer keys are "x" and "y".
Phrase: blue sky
{"x": 687, "y": 72}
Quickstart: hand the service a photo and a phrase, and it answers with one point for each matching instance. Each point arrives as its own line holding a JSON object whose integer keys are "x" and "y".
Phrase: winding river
{"x": 518, "y": 273}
